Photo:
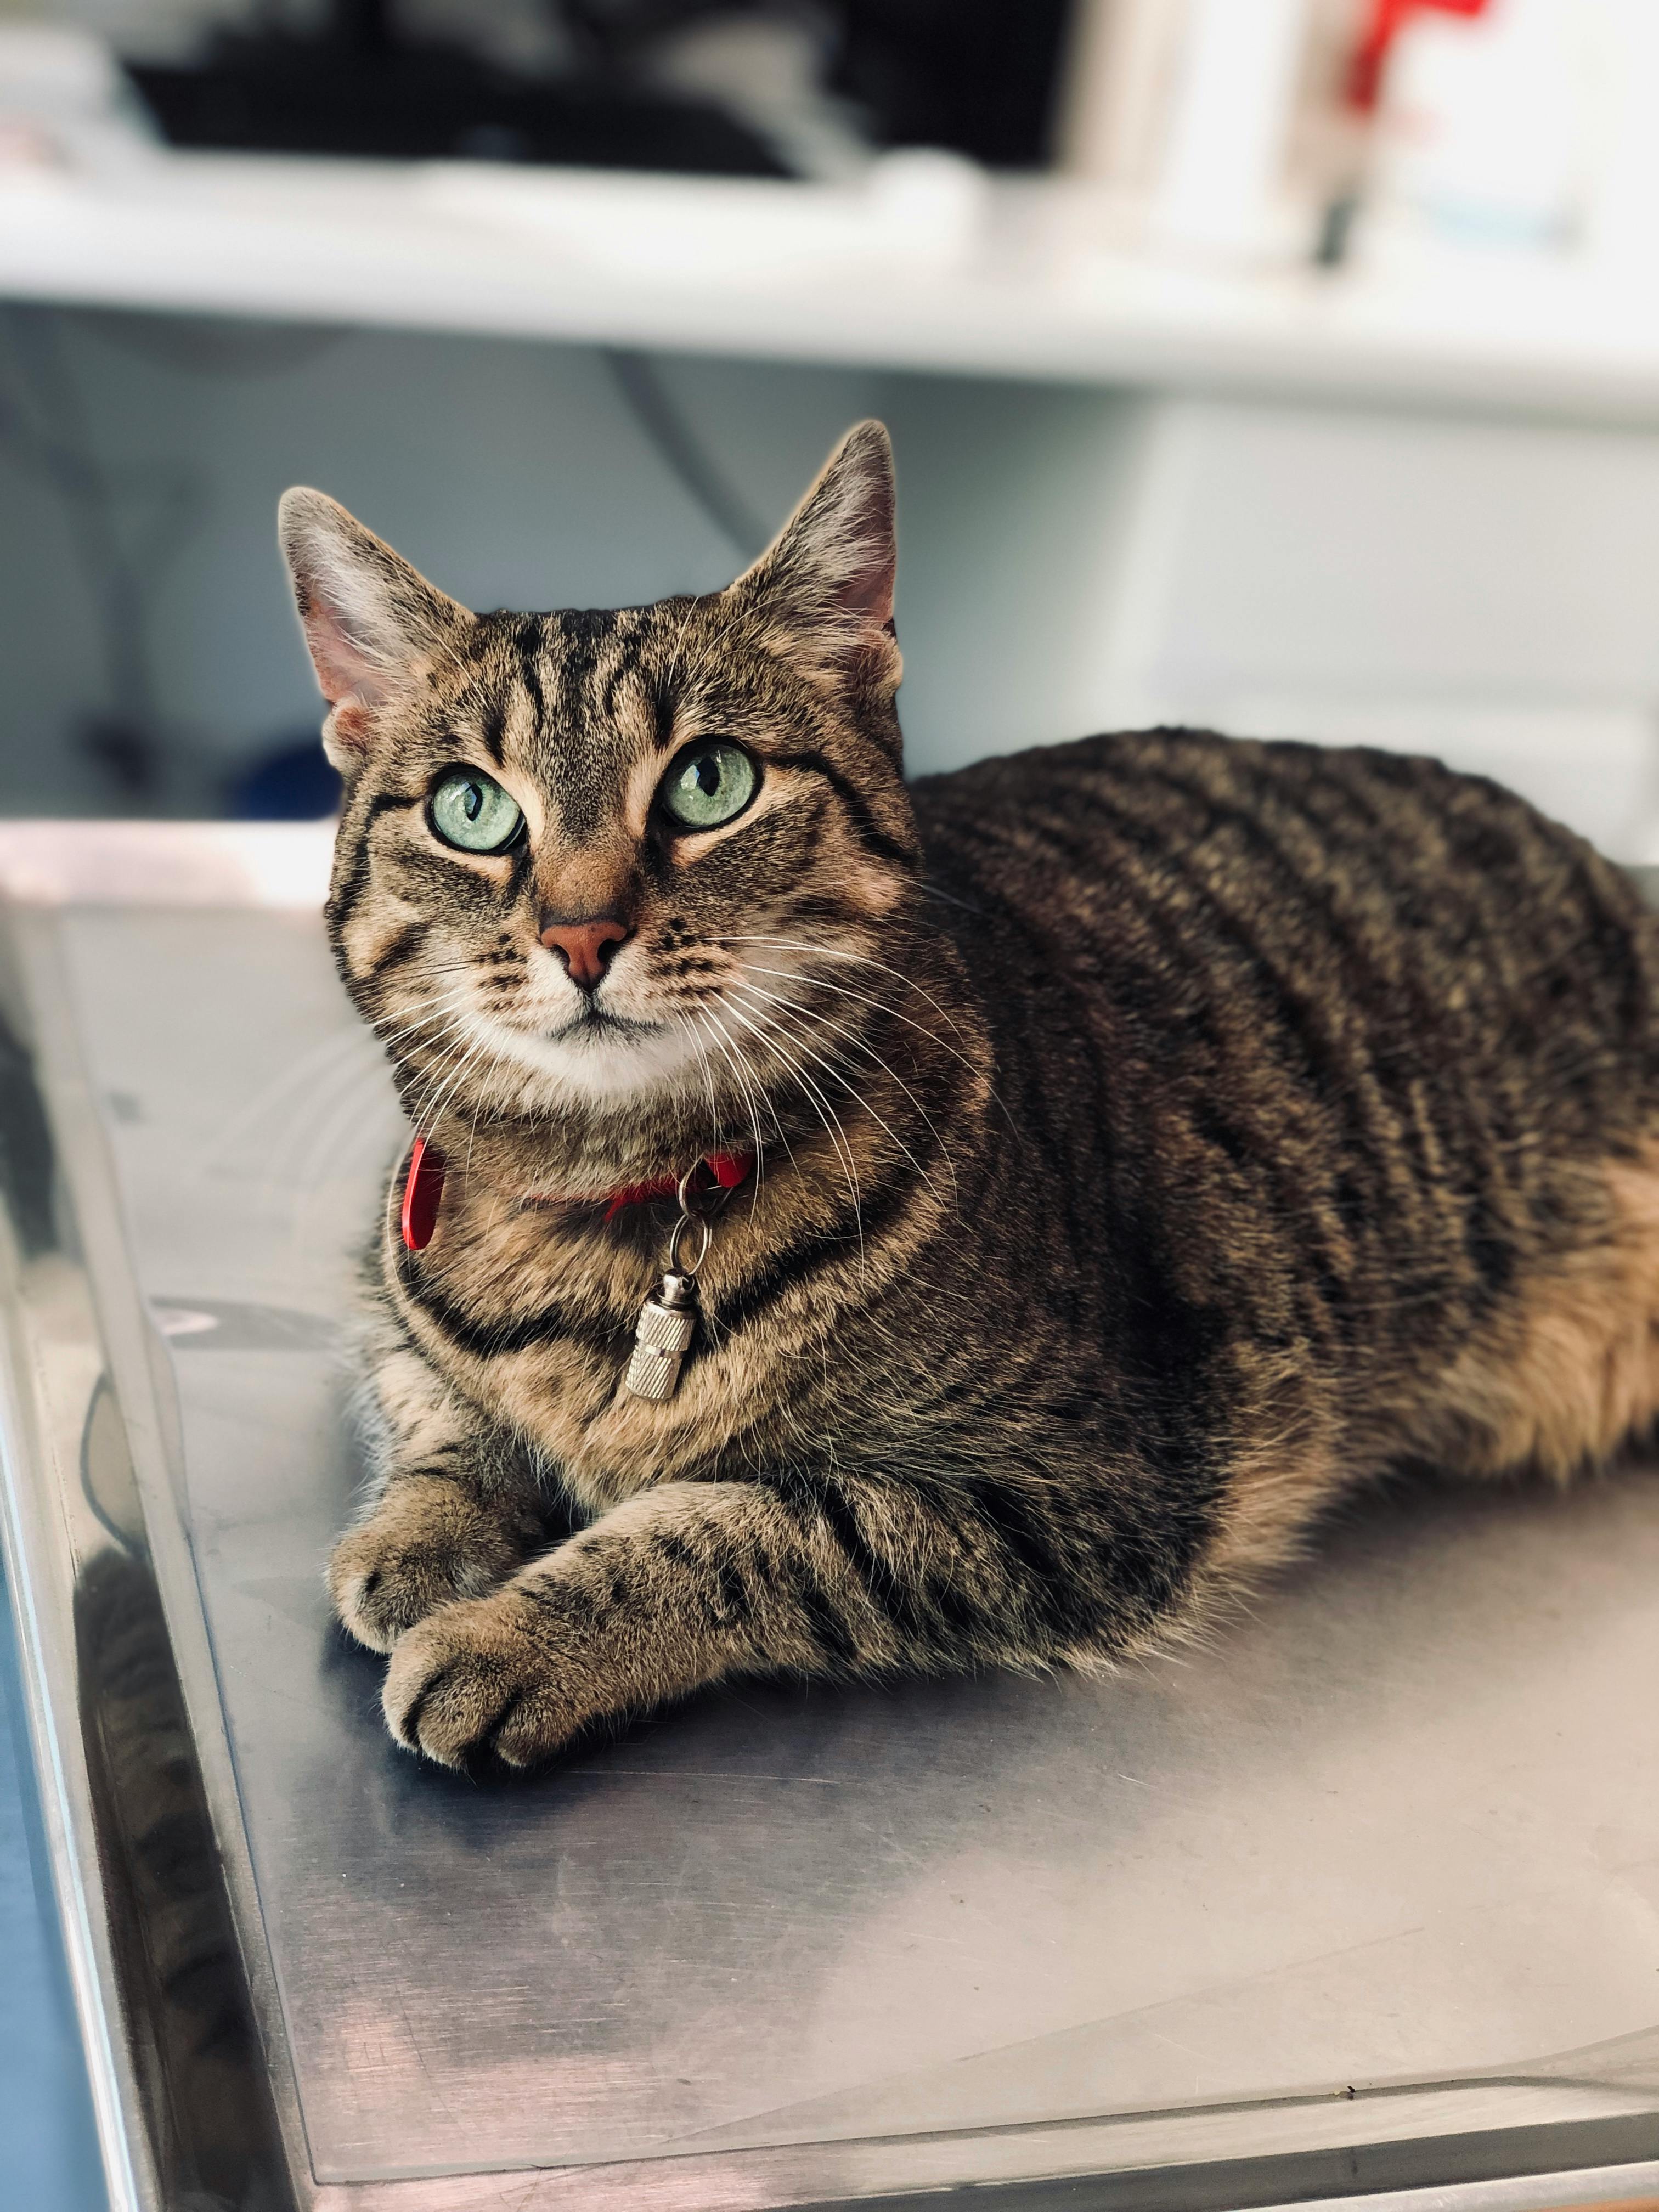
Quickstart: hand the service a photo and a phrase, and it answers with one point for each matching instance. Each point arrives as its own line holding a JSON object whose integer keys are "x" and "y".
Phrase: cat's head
{"x": 584, "y": 859}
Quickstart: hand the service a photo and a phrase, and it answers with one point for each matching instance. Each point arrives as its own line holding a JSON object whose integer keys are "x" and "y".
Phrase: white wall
{"x": 1071, "y": 560}
{"x": 514, "y": 473}
{"x": 1485, "y": 591}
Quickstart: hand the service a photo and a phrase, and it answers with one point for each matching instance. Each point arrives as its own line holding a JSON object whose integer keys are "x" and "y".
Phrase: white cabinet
{"x": 1487, "y": 591}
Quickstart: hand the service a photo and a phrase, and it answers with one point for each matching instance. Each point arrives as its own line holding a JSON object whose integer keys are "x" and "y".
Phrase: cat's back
{"x": 1164, "y": 816}
{"x": 1191, "y": 904}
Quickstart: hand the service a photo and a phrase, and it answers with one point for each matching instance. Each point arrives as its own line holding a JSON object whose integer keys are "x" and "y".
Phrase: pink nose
{"x": 585, "y": 946}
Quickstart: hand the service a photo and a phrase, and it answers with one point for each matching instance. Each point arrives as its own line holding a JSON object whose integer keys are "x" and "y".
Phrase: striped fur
{"x": 1157, "y": 1135}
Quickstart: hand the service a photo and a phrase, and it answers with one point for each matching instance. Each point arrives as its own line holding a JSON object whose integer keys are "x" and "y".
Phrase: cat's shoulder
{"x": 1155, "y": 765}
{"x": 1171, "y": 770}
{"x": 1059, "y": 771}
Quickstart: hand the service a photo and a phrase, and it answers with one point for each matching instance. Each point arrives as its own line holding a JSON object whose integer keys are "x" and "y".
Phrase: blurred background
{"x": 1287, "y": 365}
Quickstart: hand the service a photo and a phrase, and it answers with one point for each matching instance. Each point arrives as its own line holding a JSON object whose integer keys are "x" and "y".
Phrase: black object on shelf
{"x": 355, "y": 89}
{"x": 981, "y": 76}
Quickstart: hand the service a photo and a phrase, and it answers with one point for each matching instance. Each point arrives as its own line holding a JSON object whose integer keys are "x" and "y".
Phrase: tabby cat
{"x": 1125, "y": 1146}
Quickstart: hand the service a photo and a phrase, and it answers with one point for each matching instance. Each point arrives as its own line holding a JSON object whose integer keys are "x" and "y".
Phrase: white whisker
{"x": 839, "y": 952}
{"x": 753, "y": 1097}
{"x": 826, "y": 1114}
{"x": 853, "y": 1092}
{"x": 862, "y": 1044}
{"x": 868, "y": 998}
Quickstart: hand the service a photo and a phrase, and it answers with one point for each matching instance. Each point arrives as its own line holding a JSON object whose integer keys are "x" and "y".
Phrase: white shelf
{"x": 1009, "y": 283}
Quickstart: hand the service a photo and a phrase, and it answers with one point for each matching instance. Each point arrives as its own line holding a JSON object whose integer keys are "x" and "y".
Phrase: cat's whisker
{"x": 752, "y": 1098}
{"x": 472, "y": 1132}
{"x": 462, "y": 1056}
{"x": 419, "y": 1101}
{"x": 350, "y": 1120}
{"x": 862, "y": 1044}
{"x": 449, "y": 1012}
{"x": 453, "y": 997}
{"x": 297, "y": 1076}
{"x": 676, "y": 656}
{"x": 690, "y": 1024}
{"x": 452, "y": 1002}
{"x": 421, "y": 1073}
{"x": 809, "y": 981}
{"x": 428, "y": 1080}
{"x": 481, "y": 1048}
{"x": 718, "y": 634}
{"x": 854, "y": 1092}
{"x": 752, "y": 1092}
{"x": 431, "y": 1104}
{"x": 291, "y": 1162}
{"x": 405, "y": 1022}
{"x": 337, "y": 1114}
{"x": 428, "y": 970}
{"x": 840, "y": 952}
{"x": 826, "y": 1114}
{"x": 684, "y": 1022}
{"x": 314, "y": 1197}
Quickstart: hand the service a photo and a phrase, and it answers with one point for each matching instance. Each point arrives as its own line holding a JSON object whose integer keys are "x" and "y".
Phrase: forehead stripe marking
{"x": 530, "y": 677}
{"x": 494, "y": 726}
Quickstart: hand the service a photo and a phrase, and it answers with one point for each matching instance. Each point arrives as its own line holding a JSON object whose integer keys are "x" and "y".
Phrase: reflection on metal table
{"x": 1360, "y": 1896}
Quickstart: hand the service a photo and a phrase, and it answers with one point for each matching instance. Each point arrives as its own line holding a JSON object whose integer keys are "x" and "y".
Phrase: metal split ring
{"x": 699, "y": 1203}
{"x": 688, "y": 1220}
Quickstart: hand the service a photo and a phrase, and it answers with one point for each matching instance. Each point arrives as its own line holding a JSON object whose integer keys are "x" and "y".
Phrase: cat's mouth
{"x": 592, "y": 1024}
{"x": 594, "y": 1054}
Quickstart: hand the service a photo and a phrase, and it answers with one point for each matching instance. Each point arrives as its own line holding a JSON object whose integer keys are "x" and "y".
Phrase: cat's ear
{"x": 373, "y": 623}
{"x": 827, "y": 577}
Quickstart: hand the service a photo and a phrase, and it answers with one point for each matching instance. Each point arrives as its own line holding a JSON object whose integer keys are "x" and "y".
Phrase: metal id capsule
{"x": 662, "y": 1337}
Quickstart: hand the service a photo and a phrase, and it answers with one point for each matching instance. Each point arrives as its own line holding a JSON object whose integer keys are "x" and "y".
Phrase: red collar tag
{"x": 423, "y": 1189}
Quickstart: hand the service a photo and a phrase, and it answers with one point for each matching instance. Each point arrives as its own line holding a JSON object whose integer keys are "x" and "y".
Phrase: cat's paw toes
{"x": 425, "y": 1545}
{"x": 473, "y": 1683}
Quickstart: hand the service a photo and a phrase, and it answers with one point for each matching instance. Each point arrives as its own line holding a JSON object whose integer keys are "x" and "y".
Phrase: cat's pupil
{"x": 473, "y": 802}
{"x": 707, "y": 770}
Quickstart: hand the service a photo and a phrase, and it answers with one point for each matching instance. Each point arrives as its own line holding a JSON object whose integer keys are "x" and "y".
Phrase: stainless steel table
{"x": 1361, "y": 1897}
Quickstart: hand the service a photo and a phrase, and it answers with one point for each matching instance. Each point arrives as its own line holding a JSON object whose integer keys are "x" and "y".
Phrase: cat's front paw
{"x": 427, "y": 1543}
{"x": 478, "y": 1681}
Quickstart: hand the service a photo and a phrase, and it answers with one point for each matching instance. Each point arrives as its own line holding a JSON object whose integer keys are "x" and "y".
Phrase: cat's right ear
{"x": 825, "y": 582}
{"x": 373, "y": 625}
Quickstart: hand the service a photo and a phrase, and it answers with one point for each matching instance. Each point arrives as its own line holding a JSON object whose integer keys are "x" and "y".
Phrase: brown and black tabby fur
{"x": 1156, "y": 1135}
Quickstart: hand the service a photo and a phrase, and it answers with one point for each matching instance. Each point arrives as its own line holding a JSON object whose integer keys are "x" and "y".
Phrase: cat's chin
{"x": 599, "y": 1062}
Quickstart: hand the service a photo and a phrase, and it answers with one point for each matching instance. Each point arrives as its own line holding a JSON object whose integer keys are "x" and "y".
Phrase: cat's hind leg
{"x": 1567, "y": 1373}
{"x": 453, "y": 1508}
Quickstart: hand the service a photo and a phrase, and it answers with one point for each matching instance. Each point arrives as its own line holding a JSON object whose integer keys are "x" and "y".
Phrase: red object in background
{"x": 1388, "y": 18}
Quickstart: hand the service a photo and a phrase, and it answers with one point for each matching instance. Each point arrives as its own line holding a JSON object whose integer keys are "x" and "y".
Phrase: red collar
{"x": 728, "y": 1169}
{"x": 423, "y": 1188}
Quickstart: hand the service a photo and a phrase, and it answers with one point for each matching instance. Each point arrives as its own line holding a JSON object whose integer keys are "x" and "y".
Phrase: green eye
{"x": 709, "y": 785}
{"x": 470, "y": 810}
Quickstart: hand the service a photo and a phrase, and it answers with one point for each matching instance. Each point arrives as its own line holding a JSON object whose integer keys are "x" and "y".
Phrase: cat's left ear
{"x": 826, "y": 580}
{"x": 373, "y": 625}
